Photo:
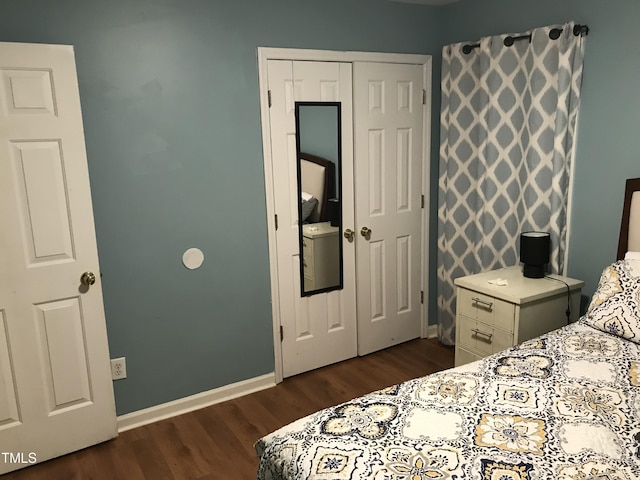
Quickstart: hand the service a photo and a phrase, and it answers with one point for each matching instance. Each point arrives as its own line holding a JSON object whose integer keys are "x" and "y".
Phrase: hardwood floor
{"x": 217, "y": 442}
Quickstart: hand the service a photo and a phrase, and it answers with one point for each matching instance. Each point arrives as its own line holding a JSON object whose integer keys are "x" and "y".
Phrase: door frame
{"x": 269, "y": 53}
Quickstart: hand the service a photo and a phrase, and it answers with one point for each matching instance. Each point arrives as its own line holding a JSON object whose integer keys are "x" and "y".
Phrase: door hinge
{"x": 422, "y": 202}
{"x": 276, "y": 218}
{"x": 281, "y": 333}
{"x": 421, "y": 296}
{"x": 424, "y": 97}
{"x": 269, "y": 97}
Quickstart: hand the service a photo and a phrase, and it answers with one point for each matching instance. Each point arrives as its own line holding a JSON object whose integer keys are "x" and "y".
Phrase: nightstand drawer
{"x": 482, "y": 338}
{"x": 307, "y": 257}
{"x": 464, "y": 356}
{"x": 307, "y": 247}
{"x": 307, "y": 267}
{"x": 486, "y": 309}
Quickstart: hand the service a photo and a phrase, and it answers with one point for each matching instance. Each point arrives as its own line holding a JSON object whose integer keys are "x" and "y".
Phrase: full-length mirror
{"x": 318, "y": 143}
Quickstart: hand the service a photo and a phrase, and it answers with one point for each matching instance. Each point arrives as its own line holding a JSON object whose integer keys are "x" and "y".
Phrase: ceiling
{"x": 427, "y": 2}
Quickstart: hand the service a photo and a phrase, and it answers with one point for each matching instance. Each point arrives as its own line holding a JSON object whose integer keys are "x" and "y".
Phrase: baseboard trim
{"x": 432, "y": 331}
{"x": 194, "y": 402}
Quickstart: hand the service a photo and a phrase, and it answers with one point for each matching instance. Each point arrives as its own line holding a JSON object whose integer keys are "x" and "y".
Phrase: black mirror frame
{"x": 338, "y": 173}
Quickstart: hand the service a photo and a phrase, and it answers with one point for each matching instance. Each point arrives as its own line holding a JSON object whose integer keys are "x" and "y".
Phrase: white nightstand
{"x": 491, "y": 318}
{"x": 320, "y": 256}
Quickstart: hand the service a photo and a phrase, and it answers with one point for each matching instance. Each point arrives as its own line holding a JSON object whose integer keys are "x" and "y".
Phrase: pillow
{"x": 615, "y": 306}
{"x": 307, "y": 207}
{"x": 632, "y": 256}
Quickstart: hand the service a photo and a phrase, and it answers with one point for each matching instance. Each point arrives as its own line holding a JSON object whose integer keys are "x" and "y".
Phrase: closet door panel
{"x": 319, "y": 329}
{"x": 388, "y": 137}
{"x": 376, "y": 171}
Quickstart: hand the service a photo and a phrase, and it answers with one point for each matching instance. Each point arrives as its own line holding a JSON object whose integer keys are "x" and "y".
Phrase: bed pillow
{"x": 307, "y": 207}
{"x": 615, "y": 306}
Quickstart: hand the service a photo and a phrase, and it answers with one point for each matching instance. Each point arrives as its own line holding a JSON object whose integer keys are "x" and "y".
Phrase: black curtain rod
{"x": 554, "y": 34}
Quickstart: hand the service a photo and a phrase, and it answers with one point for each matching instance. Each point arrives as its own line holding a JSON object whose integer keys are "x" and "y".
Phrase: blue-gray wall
{"x": 169, "y": 92}
{"x": 318, "y": 131}
{"x": 170, "y": 103}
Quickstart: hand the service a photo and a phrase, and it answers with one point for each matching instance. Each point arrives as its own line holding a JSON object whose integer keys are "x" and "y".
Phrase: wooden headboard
{"x": 629, "y": 240}
{"x": 318, "y": 179}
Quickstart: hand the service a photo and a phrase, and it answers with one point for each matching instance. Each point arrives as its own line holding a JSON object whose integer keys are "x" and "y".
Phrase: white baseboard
{"x": 194, "y": 402}
{"x": 432, "y": 331}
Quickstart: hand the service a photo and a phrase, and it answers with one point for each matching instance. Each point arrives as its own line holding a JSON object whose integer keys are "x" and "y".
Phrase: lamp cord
{"x": 568, "y": 311}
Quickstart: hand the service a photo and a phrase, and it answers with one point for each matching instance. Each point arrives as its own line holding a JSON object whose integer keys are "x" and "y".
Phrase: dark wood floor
{"x": 217, "y": 442}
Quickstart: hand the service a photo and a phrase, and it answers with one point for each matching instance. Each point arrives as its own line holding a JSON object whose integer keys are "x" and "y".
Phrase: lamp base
{"x": 533, "y": 271}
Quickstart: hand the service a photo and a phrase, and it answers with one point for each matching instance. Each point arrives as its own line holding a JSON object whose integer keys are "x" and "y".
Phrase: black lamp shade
{"x": 333, "y": 212}
{"x": 534, "y": 253}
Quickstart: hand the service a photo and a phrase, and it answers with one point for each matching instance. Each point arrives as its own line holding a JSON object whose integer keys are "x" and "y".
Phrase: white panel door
{"x": 320, "y": 329}
{"x": 388, "y": 142}
{"x": 56, "y": 393}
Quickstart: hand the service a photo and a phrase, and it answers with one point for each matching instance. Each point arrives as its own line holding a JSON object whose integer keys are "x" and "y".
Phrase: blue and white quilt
{"x": 563, "y": 406}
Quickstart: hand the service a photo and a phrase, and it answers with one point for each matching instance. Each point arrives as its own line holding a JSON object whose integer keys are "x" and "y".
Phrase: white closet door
{"x": 388, "y": 171}
{"x": 56, "y": 393}
{"x": 320, "y": 329}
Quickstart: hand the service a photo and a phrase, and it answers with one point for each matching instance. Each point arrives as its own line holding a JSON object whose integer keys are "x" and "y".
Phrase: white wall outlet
{"x": 118, "y": 368}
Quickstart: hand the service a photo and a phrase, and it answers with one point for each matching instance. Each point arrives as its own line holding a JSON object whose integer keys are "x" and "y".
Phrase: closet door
{"x": 320, "y": 329}
{"x": 389, "y": 117}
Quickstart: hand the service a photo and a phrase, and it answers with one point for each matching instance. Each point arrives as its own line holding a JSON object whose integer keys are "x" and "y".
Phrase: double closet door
{"x": 382, "y": 110}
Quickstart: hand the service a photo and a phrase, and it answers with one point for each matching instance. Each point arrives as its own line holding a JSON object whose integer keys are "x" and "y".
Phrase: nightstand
{"x": 320, "y": 256}
{"x": 491, "y": 318}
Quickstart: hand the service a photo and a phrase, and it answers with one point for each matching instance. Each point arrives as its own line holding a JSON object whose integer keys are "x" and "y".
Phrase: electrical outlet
{"x": 118, "y": 368}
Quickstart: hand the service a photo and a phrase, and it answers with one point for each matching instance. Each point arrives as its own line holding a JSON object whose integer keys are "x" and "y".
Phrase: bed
{"x": 564, "y": 406}
{"x": 317, "y": 183}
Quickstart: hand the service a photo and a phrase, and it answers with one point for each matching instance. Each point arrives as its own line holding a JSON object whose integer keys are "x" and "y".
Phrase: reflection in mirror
{"x": 318, "y": 143}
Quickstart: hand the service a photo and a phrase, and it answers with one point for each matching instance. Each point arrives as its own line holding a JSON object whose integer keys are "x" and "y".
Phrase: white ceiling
{"x": 427, "y": 2}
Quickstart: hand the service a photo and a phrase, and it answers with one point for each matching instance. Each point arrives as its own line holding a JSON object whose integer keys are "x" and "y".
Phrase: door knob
{"x": 349, "y": 234}
{"x": 88, "y": 279}
{"x": 365, "y": 232}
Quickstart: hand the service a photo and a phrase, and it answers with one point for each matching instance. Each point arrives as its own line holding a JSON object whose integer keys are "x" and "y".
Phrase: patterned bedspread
{"x": 563, "y": 406}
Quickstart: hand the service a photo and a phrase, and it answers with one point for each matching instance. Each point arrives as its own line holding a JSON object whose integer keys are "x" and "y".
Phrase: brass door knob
{"x": 365, "y": 232}
{"x": 349, "y": 234}
{"x": 88, "y": 279}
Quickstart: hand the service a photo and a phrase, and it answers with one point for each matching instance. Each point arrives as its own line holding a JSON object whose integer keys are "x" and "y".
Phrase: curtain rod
{"x": 554, "y": 34}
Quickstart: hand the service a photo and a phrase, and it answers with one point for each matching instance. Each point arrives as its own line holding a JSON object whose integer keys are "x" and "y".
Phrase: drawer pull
{"x": 477, "y": 300}
{"x": 484, "y": 334}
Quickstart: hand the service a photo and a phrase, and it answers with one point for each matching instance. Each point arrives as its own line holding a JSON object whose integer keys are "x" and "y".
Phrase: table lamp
{"x": 534, "y": 253}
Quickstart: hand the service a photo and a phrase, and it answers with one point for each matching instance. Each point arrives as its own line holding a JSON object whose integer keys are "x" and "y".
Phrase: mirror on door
{"x": 318, "y": 144}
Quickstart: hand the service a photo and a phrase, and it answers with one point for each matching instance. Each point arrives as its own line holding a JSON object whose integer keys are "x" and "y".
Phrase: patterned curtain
{"x": 507, "y": 130}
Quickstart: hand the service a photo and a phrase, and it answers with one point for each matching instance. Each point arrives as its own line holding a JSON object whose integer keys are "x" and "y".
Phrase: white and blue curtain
{"x": 508, "y": 122}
